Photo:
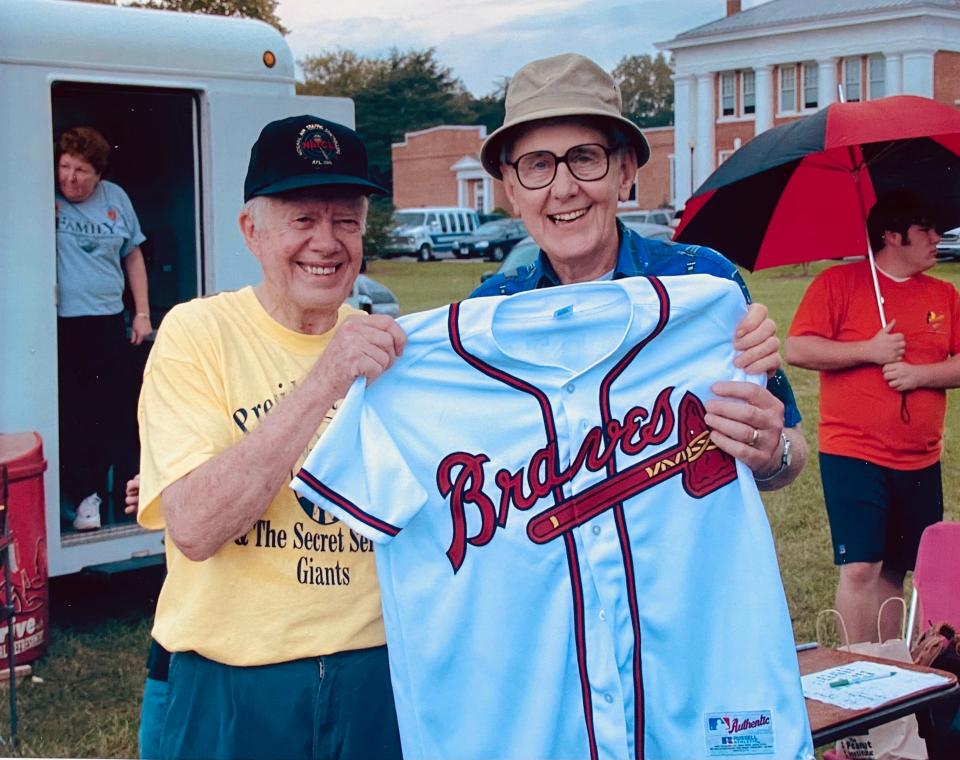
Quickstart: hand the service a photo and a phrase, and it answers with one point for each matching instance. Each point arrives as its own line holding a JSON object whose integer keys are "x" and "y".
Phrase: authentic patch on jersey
{"x": 739, "y": 733}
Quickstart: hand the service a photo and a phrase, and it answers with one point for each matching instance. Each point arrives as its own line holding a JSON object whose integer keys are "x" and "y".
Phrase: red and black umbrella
{"x": 801, "y": 192}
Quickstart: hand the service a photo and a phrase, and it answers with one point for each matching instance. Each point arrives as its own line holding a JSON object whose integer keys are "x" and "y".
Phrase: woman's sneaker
{"x": 88, "y": 514}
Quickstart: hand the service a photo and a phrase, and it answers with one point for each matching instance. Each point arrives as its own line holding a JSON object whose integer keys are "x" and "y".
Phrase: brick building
{"x": 440, "y": 166}
{"x": 734, "y": 78}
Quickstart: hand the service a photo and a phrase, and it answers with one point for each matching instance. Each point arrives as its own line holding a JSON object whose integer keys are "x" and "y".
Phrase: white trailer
{"x": 181, "y": 97}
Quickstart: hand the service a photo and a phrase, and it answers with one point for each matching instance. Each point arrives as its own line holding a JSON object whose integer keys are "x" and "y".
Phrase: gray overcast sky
{"x": 483, "y": 40}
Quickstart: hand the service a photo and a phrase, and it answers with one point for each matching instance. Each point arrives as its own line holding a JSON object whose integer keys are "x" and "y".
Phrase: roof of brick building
{"x": 780, "y": 12}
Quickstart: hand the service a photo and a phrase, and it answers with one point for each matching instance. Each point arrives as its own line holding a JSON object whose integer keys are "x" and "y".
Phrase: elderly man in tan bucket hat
{"x": 567, "y": 156}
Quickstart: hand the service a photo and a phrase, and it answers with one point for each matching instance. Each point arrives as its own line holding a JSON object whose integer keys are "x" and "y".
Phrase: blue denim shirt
{"x": 638, "y": 256}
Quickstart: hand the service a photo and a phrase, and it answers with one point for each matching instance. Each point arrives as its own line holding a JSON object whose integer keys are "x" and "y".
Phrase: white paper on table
{"x": 870, "y": 693}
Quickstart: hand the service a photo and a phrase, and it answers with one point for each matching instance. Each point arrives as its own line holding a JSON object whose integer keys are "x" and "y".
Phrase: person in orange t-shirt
{"x": 882, "y": 404}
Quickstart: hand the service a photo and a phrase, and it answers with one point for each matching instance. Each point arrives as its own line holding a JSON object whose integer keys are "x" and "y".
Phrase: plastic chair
{"x": 7, "y": 607}
{"x": 936, "y": 579}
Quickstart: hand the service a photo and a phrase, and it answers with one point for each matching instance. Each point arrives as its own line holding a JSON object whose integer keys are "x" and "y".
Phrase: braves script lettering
{"x": 461, "y": 475}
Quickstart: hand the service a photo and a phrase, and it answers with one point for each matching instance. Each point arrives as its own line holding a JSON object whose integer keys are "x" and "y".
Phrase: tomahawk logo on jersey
{"x": 569, "y": 567}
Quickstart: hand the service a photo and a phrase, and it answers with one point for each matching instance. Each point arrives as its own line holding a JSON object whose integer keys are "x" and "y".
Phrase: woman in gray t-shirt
{"x": 98, "y": 249}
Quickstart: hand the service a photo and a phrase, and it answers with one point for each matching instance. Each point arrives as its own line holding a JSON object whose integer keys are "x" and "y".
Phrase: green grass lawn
{"x": 87, "y": 704}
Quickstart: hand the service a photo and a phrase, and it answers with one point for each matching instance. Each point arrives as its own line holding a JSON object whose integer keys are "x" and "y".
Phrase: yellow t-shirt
{"x": 300, "y": 583}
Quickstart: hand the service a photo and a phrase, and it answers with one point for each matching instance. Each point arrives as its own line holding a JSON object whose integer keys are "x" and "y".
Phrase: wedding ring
{"x": 753, "y": 438}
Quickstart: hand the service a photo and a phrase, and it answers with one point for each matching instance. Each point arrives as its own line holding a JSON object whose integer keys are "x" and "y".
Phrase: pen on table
{"x": 852, "y": 681}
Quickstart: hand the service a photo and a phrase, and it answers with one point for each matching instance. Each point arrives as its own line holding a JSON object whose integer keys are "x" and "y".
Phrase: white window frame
{"x": 727, "y": 78}
{"x": 876, "y": 76}
{"x": 810, "y": 81}
{"x": 782, "y": 73}
{"x": 752, "y": 92}
{"x": 852, "y": 66}
{"x": 723, "y": 155}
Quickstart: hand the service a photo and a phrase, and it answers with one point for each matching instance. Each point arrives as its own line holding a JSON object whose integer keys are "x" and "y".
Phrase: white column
{"x": 487, "y": 193}
{"x": 763, "y": 93}
{"x": 894, "y": 73}
{"x": 461, "y": 192}
{"x": 704, "y": 160}
{"x": 918, "y": 73}
{"x": 683, "y": 116}
{"x": 826, "y": 81}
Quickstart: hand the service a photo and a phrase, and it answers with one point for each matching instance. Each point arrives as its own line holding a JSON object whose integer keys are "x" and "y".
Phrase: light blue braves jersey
{"x": 569, "y": 568}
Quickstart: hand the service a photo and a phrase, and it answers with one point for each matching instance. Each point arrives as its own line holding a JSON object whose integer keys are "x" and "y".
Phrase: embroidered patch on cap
{"x": 318, "y": 145}
{"x": 739, "y": 733}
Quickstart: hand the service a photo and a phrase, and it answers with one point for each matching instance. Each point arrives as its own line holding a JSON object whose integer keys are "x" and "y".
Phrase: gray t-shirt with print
{"x": 92, "y": 237}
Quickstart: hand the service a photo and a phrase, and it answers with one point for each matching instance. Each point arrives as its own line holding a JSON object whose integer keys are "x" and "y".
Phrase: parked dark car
{"x": 492, "y": 240}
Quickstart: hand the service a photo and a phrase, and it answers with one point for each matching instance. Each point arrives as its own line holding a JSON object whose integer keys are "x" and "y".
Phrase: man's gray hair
{"x": 257, "y": 206}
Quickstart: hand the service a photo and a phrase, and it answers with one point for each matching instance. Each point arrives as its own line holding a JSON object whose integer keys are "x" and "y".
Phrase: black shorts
{"x": 877, "y": 514}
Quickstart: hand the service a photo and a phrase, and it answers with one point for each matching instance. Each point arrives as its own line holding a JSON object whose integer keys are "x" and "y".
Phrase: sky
{"x": 485, "y": 40}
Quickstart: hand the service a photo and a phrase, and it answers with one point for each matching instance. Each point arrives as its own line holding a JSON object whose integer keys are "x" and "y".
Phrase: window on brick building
{"x": 811, "y": 94}
{"x": 851, "y": 79}
{"x": 748, "y": 82}
{"x": 877, "y": 68}
{"x": 728, "y": 94}
{"x": 788, "y": 88}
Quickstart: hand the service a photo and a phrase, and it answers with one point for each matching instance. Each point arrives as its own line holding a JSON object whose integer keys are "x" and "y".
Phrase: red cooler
{"x": 22, "y": 453}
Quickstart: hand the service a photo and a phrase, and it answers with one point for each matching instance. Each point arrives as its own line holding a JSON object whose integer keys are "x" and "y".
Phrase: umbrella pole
{"x": 876, "y": 283}
{"x": 854, "y": 162}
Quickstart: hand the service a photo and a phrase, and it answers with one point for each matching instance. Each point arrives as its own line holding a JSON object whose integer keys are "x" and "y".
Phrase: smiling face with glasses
{"x": 565, "y": 179}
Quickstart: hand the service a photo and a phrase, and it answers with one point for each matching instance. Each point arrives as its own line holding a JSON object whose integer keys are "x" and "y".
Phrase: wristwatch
{"x": 785, "y": 459}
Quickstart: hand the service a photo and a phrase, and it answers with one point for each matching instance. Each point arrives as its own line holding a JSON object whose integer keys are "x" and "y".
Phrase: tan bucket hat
{"x": 563, "y": 85}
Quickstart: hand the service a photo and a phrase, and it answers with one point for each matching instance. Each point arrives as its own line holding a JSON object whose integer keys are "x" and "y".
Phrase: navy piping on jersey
{"x": 346, "y": 505}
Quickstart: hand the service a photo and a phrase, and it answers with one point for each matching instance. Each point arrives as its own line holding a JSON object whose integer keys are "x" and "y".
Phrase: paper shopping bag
{"x": 899, "y": 739}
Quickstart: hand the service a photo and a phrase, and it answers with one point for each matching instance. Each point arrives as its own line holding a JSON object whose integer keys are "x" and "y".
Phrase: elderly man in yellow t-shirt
{"x": 270, "y": 608}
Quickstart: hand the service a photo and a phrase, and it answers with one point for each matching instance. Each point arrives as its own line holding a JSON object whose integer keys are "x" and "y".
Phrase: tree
{"x": 489, "y": 109}
{"x": 401, "y": 93}
{"x": 646, "y": 85}
{"x": 343, "y": 73}
{"x": 265, "y": 10}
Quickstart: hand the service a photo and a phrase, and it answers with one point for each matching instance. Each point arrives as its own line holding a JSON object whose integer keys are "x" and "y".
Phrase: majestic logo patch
{"x": 935, "y": 320}
{"x": 317, "y": 144}
{"x": 112, "y": 214}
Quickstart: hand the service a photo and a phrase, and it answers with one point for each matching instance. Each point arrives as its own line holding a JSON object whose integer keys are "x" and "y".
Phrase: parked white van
{"x": 425, "y": 232}
{"x": 181, "y": 97}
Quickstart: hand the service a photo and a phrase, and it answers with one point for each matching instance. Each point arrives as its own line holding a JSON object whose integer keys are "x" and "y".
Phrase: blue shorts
{"x": 335, "y": 706}
{"x": 876, "y": 513}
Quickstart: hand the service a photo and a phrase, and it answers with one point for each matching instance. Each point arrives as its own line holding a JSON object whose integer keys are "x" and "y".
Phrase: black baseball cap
{"x": 306, "y": 151}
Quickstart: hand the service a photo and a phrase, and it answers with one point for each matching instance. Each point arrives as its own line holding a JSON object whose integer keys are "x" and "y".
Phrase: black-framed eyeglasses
{"x": 537, "y": 169}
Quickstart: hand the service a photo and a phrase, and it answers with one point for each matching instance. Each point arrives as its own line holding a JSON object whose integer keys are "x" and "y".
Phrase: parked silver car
{"x": 372, "y": 297}
{"x": 648, "y": 216}
{"x": 948, "y": 249}
{"x": 525, "y": 252}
